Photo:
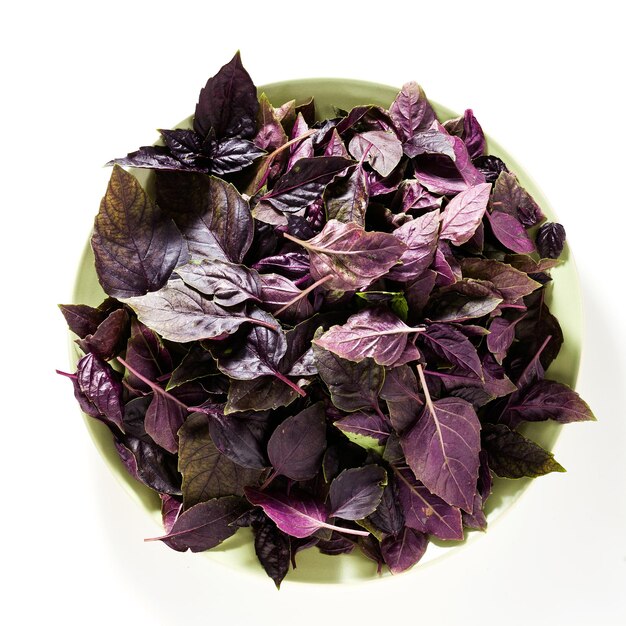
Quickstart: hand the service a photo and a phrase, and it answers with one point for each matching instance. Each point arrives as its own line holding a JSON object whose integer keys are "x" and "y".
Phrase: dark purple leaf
{"x": 352, "y": 385}
{"x": 388, "y": 517}
{"x": 296, "y": 447}
{"x": 402, "y": 396}
{"x": 109, "y": 337}
{"x": 84, "y": 320}
{"x": 229, "y": 284}
{"x": 302, "y": 149}
{"x": 227, "y": 156}
{"x": 511, "y": 198}
{"x": 159, "y": 158}
{"x": 179, "y": 313}
{"x": 420, "y": 237}
{"x": 164, "y": 417}
{"x": 145, "y": 354}
{"x": 509, "y": 231}
{"x": 305, "y": 182}
{"x": 207, "y": 473}
{"x": 434, "y": 140}
{"x": 501, "y": 336}
{"x": 418, "y": 292}
{"x": 451, "y": 345}
{"x": 228, "y": 103}
{"x": 271, "y": 134}
{"x": 101, "y": 387}
{"x": 211, "y": 214}
{"x": 464, "y": 300}
{"x": 404, "y": 550}
{"x": 277, "y": 292}
{"x": 368, "y": 430}
{"x": 510, "y": 283}
{"x": 258, "y": 394}
{"x": 550, "y": 240}
{"x": 412, "y": 195}
{"x": 490, "y": 167}
{"x": 346, "y": 198}
{"x": 196, "y": 364}
{"x": 356, "y": 492}
{"x": 440, "y": 174}
{"x": 273, "y": 549}
{"x": 293, "y": 265}
{"x": 470, "y": 131}
{"x": 511, "y": 455}
{"x": 464, "y": 212}
{"x": 380, "y": 148}
{"x": 135, "y": 246}
{"x": 204, "y": 525}
{"x": 150, "y": 464}
{"x": 337, "y": 544}
{"x": 442, "y": 450}
{"x": 411, "y": 111}
{"x": 426, "y": 512}
{"x": 371, "y": 333}
{"x": 353, "y": 257}
{"x": 548, "y": 399}
{"x": 335, "y": 146}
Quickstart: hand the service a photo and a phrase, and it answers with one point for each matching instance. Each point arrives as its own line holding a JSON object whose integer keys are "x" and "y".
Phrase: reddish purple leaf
{"x": 380, "y": 148}
{"x": 510, "y": 232}
{"x": 356, "y": 492}
{"x": 411, "y": 111}
{"x": 404, "y": 550}
{"x": 464, "y": 213}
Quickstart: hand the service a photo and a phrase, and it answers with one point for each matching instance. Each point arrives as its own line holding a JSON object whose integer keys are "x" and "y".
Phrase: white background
{"x": 85, "y": 82}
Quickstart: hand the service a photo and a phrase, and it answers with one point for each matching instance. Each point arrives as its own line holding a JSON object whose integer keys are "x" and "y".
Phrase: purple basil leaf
{"x": 207, "y": 473}
{"x": 418, "y": 293}
{"x": 411, "y": 110}
{"x": 335, "y": 146}
{"x": 388, "y": 516}
{"x": 464, "y": 213}
{"x": 305, "y": 182}
{"x": 145, "y": 354}
{"x": 404, "y": 550}
{"x": 412, "y": 195}
{"x": 351, "y": 256}
{"x": 442, "y": 450}
{"x": 231, "y": 155}
{"x": 548, "y": 399}
{"x": 368, "y": 430}
{"x": 258, "y": 394}
{"x": 347, "y": 197}
{"x": 509, "y": 231}
{"x": 296, "y": 514}
{"x": 184, "y": 144}
{"x": 511, "y": 455}
{"x": 371, "y": 333}
{"x": 356, "y": 492}
{"x": 180, "y": 314}
{"x": 510, "y": 283}
{"x": 204, "y": 525}
{"x": 277, "y": 291}
{"x": 240, "y": 437}
{"x": 164, "y": 417}
{"x": 490, "y": 167}
{"x": 380, "y": 148}
{"x": 451, "y": 345}
{"x": 464, "y": 300}
{"x": 426, "y": 512}
{"x": 445, "y": 273}
{"x": 501, "y": 336}
{"x": 108, "y": 339}
{"x": 511, "y": 198}
{"x": 402, "y": 396}
{"x": 273, "y": 549}
{"x": 379, "y": 185}
{"x": 477, "y": 519}
{"x": 337, "y": 544}
{"x": 293, "y": 265}
{"x": 135, "y": 416}
{"x": 100, "y": 385}
{"x": 352, "y": 385}
{"x": 470, "y": 131}
{"x": 211, "y": 214}
{"x": 229, "y": 284}
{"x": 228, "y": 103}
{"x": 136, "y": 247}
{"x": 152, "y": 465}
{"x": 196, "y": 364}
{"x": 550, "y": 240}
{"x": 159, "y": 158}
{"x": 296, "y": 447}
{"x": 271, "y": 134}
{"x": 302, "y": 149}
{"x": 420, "y": 237}
{"x": 440, "y": 174}
{"x": 84, "y": 320}
{"x": 171, "y": 508}
{"x": 434, "y": 140}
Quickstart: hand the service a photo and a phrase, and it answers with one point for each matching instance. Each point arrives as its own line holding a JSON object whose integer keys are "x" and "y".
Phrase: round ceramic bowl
{"x": 314, "y": 567}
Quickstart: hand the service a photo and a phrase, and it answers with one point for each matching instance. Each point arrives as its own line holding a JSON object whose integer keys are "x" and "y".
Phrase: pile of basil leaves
{"x": 326, "y": 330}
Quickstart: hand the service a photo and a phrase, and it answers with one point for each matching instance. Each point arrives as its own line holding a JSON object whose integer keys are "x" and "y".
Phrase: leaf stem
{"x": 151, "y": 384}
{"x": 348, "y": 531}
{"x": 66, "y": 374}
{"x": 289, "y": 383}
{"x": 253, "y": 320}
{"x": 269, "y": 479}
{"x": 303, "y": 293}
{"x": 429, "y": 402}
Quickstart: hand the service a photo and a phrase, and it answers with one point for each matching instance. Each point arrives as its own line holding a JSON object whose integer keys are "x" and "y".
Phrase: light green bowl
{"x": 313, "y": 567}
